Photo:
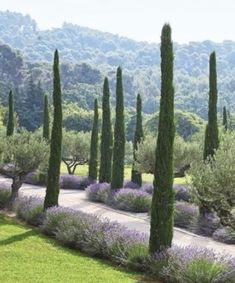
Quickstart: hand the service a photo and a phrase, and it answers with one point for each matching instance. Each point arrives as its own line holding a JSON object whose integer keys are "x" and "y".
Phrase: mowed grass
{"x": 27, "y": 256}
{"x": 82, "y": 170}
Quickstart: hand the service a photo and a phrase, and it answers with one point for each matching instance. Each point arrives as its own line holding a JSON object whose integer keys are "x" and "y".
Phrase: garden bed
{"x": 125, "y": 247}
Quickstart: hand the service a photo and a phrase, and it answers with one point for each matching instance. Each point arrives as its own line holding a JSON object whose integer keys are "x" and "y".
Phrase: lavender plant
{"x": 132, "y": 200}
{"x": 72, "y": 182}
{"x": 185, "y": 215}
{"x": 225, "y": 235}
{"x": 192, "y": 264}
{"x": 30, "y": 209}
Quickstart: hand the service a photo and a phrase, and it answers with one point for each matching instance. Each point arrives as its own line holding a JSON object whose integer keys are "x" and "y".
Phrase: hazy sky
{"x": 191, "y": 20}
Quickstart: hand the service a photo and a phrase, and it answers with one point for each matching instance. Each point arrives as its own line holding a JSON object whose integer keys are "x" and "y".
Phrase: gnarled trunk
{"x": 18, "y": 180}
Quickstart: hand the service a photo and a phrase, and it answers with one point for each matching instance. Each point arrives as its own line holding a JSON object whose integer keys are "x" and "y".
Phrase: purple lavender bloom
{"x": 225, "y": 235}
{"x": 132, "y": 200}
{"x": 92, "y": 191}
{"x": 148, "y": 188}
{"x": 72, "y": 182}
{"x": 130, "y": 185}
{"x": 98, "y": 192}
{"x": 186, "y": 215}
{"x": 182, "y": 193}
{"x": 103, "y": 192}
{"x": 30, "y": 209}
{"x": 194, "y": 264}
{"x": 207, "y": 224}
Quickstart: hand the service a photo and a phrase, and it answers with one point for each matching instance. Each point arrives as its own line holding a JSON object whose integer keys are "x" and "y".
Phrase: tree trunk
{"x": 69, "y": 170}
{"x": 181, "y": 172}
{"x": 17, "y": 183}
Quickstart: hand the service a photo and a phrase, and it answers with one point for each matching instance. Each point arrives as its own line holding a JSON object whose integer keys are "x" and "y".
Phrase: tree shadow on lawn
{"x": 17, "y": 238}
{"x": 140, "y": 277}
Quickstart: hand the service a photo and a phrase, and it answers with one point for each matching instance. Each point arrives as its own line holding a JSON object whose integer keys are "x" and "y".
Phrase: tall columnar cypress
{"x": 46, "y": 119}
{"x": 106, "y": 137}
{"x": 52, "y": 190}
{"x": 10, "y": 122}
{"x": 161, "y": 231}
{"x": 135, "y": 174}
{"x": 225, "y": 119}
{"x": 93, "y": 161}
{"x": 211, "y": 135}
{"x": 119, "y": 136}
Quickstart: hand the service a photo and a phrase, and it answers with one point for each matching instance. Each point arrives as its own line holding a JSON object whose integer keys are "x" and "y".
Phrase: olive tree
{"x": 184, "y": 154}
{"x": 212, "y": 182}
{"x": 75, "y": 149}
{"x": 26, "y": 153}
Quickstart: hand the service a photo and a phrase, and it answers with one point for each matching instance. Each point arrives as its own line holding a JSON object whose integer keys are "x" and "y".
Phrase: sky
{"x": 142, "y": 20}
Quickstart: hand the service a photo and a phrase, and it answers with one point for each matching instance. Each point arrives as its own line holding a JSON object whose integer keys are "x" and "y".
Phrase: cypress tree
{"x": 10, "y": 122}
{"x": 93, "y": 161}
{"x": 161, "y": 231}
{"x": 119, "y": 136}
{"x": 135, "y": 174}
{"x": 211, "y": 134}
{"x": 46, "y": 119}
{"x": 52, "y": 190}
{"x": 225, "y": 119}
{"x": 106, "y": 137}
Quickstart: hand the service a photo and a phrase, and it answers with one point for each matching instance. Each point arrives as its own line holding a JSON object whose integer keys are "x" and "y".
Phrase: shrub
{"x": 5, "y": 194}
{"x": 130, "y": 185}
{"x": 182, "y": 193}
{"x": 82, "y": 231}
{"x": 130, "y": 248}
{"x": 132, "y": 200}
{"x": 88, "y": 233}
{"x": 72, "y": 182}
{"x": 121, "y": 242}
{"x": 212, "y": 182}
{"x": 191, "y": 264}
{"x": 148, "y": 188}
{"x": 137, "y": 256}
{"x": 35, "y": 178}
{"x": 92, "y": 191}
{"x": 30, "y": 209}
{"x": 185, "y": 215}
{"x": 207, "y": 224}
{"x": 225, "y": 235}
{"x": 103, "y": 192}
{"x": 53, "y": 217}
{"x": 98, "y": 192}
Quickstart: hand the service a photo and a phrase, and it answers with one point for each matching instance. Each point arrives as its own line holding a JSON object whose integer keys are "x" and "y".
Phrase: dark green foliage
{"x": 211, "y": 135}
{"x": 135, "y": 174}
{"x": 29, "y": 106}
{"x": 80, "y": 81}
{"x": 119, "y": 136}
{"x": 52, "y": 190}
{"x": 10, "y": 122}
{"x": 225, "y": 119}
{"x": 46, "y": 119}
{"x": 106, "y": 138}
{"x": 161, "y": 231}
{"x": 93, "y": 161}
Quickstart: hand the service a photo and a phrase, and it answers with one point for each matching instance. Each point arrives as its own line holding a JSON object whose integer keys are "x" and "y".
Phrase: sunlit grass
{"x": 82, "y": 171}
{"x": 26, "y": 256}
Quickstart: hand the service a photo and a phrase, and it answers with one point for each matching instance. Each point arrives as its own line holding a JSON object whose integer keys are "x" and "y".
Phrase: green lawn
{"x": 26, "y": 256}
{"x": 82, "y": 170}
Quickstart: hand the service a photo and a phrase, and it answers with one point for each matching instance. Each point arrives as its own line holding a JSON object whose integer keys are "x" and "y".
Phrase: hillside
{"x": 88, "y": 55}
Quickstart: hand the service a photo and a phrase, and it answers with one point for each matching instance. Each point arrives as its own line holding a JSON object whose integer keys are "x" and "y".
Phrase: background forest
{"x": 88, "y": 55}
